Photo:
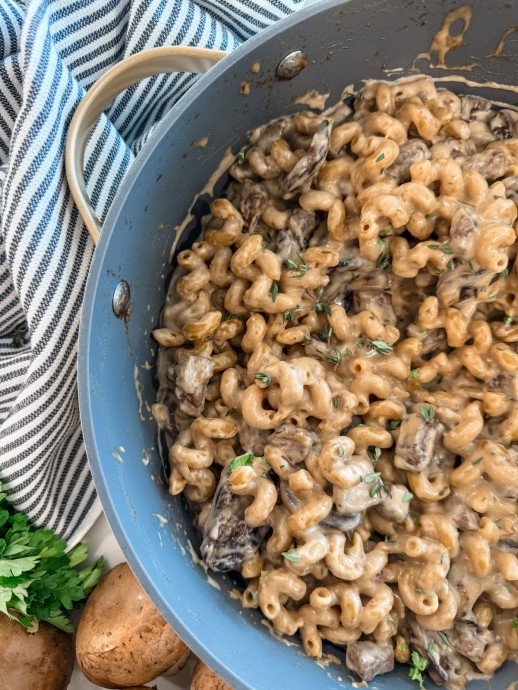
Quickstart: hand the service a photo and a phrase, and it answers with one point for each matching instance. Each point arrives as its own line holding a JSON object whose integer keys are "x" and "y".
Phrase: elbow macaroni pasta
{"x": 350, "y": 319}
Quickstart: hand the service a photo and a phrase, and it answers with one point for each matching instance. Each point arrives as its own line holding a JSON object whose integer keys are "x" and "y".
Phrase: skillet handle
{"x": 125, "y": 73}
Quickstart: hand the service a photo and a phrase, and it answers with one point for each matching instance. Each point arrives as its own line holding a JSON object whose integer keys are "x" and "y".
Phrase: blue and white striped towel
{"x": 51, "y": 51}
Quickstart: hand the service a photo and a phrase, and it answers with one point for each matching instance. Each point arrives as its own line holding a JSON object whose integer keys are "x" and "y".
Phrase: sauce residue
{"x": 198, "y": 561}
{"x": 313, "y": 99}
{"x": 116, "y": 453}
{"x": 139, "y": 387}
{"x": 499, "y": 50}
{"x": 200, "y": 143}
{"x": 244, "y": 88}
{"x": 256, "y": 67}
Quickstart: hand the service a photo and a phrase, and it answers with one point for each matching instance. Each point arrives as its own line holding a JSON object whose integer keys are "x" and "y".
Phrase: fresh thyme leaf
{"x": 380, "y": 157}
{"x": 381, "y": 347}
{"x": 508, "y": 320}
{"x": 288, "y": 315}
{"x": 447, "y": 250}
{"x": 227, "y": 316}
{"x": 344, "y": 260}
{"x": 292, "y": 556}
{"x": 336, "y": 402}
{"x": 267, "y": 240}
{"x": 240, "y": 158}
{"x": 432, "y": 217}
{"x": 302, "y": 266}
{"x": 444, "y": 637}
{"x": 394, "y": 424}
{"x": 375, "y": 453}
{"x": 434, "y": 246}
{"x": 241, "y": 461}
{"x": 341, "y": 451}
{"x": 274, "y": 291}
{"x": 427, "y": 413}
{"x": 384, "y": 262}
{"x": 39, "y": 578}
{"x": 263, "y": 377}
{"x": 371, "y": 477}
{"x": 321, "y": 308}
{"x": 336, "y": 356}
{"x": 504, "y": 273}
{"x": 514, "y": 624}
{"x": 378, "y": 488}
{"x": 230, "y": 411}
{"x": 414, "y": 374}
{"x": 450, "y": 265}
{"x": 326, "y": 333}
{"x": 477, "y": 461}
{"x": 420, "y": 664}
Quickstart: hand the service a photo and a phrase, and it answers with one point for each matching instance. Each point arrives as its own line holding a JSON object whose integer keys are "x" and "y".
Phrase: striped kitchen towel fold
{"x": 51, "y": 52}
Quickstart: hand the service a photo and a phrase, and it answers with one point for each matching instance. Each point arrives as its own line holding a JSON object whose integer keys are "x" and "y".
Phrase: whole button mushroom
{"x": 122, "y": 640}
{"x": 204, "y": 678}
{"x": 41, "y": 660}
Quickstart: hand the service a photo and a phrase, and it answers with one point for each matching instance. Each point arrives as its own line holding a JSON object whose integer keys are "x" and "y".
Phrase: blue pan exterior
{"x": 345, "y": 43}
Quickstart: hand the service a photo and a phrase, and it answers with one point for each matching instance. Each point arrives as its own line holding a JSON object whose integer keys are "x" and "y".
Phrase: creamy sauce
{"x": 198, "y": 561}
{"x": 146, "y": 457}
{"x": 139, "y": 387}
{"x": 162, "y": 521}
{"x": 226, "y": 161}
{"x": 256, "y": 67}
{"x": 313, "y": 99}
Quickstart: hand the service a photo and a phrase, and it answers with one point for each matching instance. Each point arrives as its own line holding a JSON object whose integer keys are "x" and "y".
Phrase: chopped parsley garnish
{"x": 240, "y": 158}
{"x": 420, "y": 664}
{"x": 241, "y": 461}
{"x": 274, "y": 291}
{"x": 292, "y": 556}
{"x": 414, "y": 374}
{"x": 381, "y": 347}
{"x": 427, "y": 413}
{"x": 263, "y": 377}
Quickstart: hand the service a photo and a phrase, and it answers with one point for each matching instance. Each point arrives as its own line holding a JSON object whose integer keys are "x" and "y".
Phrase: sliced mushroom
{"x": 511, "y": 187}
{"x": 474, "y": 108}
{"x": 412, "y": 151}
{"x": 458, "y": 510}
{"x": 417, "y": 443}
{"x": 369, "y": 659}
{"x": 227, "y": 539}
{"x": 264, "y": 136}
{"x": 295, "y": 238}
{"x": 463, "y": 230}
{"x": 253, "y": 202}
{"x": 294, "y": 442}
{"x": 191, "y": 377}
{"x": 470, "y": 640}
{"x": 306, "y": 169}
{"x": 460, "y": 284}
{"x": 491, "y": 163}
{"x": 378, "y": 301}
{"x": 251, "y": 440}
{"x": 358, "y": 498}
{"x": 504, "y": 125}
{"x": 344, "y": 523}
{"x": 395, "y": 505}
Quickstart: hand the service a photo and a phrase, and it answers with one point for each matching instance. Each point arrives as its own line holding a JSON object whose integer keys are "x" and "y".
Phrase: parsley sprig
{"x": 39, "y": 577}
{"x": 420, "y": 664}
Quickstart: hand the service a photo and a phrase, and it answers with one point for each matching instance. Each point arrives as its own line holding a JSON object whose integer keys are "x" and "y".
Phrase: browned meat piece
{"x": 504, "y": 125}
{"x": 417, "y": 443}
{"x": 460, "y": 284}
{"x": 294, "y": 442}
{"x": 227, "y": 539}
{"x": 377, "y": 301}
{"x": 369, "y": 659}
{"x": 253, "y": 203}
{"x": 264, "y": 136}
{"x": 307, "y": 167}
{"x": 458, "y": 510}
{"x": 463, "y": 230}
{"x": 445, "y": 666}
{"x": 471, "y": 641}
{"x": 395, "y": 505}
{"x": 491, "y": 163}
{"x": 296, "y": 238}
{"x": 251, "y": 440}
{"x": 474, "y": 108}
{"x": 344, "y": 523}
{"x": 412, "y": 151}
{"x": 191, "y": 377}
